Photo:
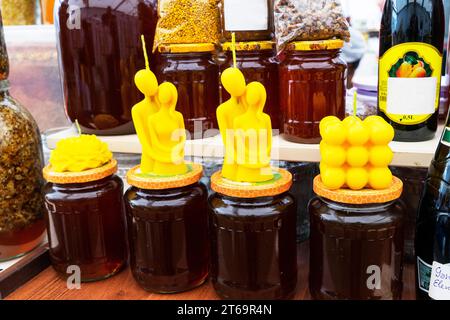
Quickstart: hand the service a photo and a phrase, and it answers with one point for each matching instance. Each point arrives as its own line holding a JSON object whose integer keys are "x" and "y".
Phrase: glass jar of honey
{"x": 86, "y": 221}
{"x": 168, "y": 231}
{"x": 356, "y": 246}
{"x": 312, "y": 86}
{"x": 253, "y": 235}
{"x": 191, "y": 69}
{"x": 257, "y": 61}
{"x": 100, "y": 51}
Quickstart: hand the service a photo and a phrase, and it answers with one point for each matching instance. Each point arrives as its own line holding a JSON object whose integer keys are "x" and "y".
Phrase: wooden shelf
{"x": 48, "y": 286}
{"x": 418, "y": 154}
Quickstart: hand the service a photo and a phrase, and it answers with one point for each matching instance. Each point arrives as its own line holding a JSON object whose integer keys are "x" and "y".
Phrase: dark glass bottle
{"x": 411, "y": 50}
{"x": 433, "y": 222}
{"x": 22, "y": 225}
{"x": 100, "y": 51}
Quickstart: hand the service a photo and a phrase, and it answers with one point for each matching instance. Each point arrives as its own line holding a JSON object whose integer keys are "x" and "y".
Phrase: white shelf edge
{"x": 417, "y": 154}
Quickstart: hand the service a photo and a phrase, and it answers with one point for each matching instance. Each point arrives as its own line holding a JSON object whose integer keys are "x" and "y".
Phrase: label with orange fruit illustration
{"x": 409, "y": 82}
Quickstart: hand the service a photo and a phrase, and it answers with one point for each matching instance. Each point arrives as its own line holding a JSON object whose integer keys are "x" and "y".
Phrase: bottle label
{"x": 440, "y": 281}
{"x": 446, "y": 137}
{"x": 248, "y": 15}
{"x": 424, "y": 274}
{"x": 410, "y": 82}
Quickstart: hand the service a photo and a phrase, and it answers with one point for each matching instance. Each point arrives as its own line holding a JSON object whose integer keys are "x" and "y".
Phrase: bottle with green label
{"x": 433, "y": 227}
{"x": 410, "y": 66}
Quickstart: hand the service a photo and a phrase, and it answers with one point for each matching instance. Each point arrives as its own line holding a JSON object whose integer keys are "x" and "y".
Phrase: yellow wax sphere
{"x": 333, "y": 178}
{"x": 334, "y": 133}
{"x": 357, "y": 178}
{"x": 371, "y": 119}
{"x": 380, "y": 178}
{"x": 333, "y": 156}
{"x": 357, "y": 156}
{"x": 351, "y": 121}
{"x": 327, "y": 121}
{"x": 381, "y": 132}
{"x": 358, "y": 134}
{"x": 380, "y": 156}
{"x": 322, "y": 167}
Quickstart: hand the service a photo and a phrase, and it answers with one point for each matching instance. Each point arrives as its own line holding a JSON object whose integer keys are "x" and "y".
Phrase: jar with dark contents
{"x": 100, "y": 51}
{"x": 168, "y": 233}
{"x": 257, "y": 61}
{"x": 191, "y": 69}
{"x": 22, "y": 225}
{"x": 86, "y": 222}
{"x": 312, "y": 87}
{"x": 253, "y": 234}
{"x": 356, "y": 246}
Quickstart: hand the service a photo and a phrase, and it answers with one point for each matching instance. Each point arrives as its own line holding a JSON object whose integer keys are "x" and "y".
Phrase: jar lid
{"x": 80, "y": 177}
{"x": 280, "y": 184}
{"x": 250, "y": 46}
{"x": 151, "y": 182}
{"x": 315, "y": 45}
{"x": 186, "y": 47}
{"x": 365, "y": 196}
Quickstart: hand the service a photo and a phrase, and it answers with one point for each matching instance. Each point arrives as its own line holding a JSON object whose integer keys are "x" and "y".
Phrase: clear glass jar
{"x": 257, "y": 61}
{"x": 312, "y": 86}
{"x": 86, "y": 227}
{"x": 22, "y": 225}
{"x": 254, "y": 249}
{"x": 235, "y": 18}
{"x": 168, "y": 237}
{"x": 100, "y": 51}
{"x": 191, "y": 69}
{"x": 356, "y": 251}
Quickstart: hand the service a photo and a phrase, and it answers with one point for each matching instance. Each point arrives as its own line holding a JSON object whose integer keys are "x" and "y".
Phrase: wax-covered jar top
{"x": 186, "y": 48}
{"x": 249, "y": 46}
{"x": 319, "y": 45}
{"x": 80, "y": 159}
{"x": 354, "y": 168}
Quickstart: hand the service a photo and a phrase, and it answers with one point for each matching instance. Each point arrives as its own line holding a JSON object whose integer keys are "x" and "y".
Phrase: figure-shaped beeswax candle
{"x": 253, "y": 132}
{"x": 234, "y": 82}
{"x": 147, "y": 83}
{"x": 167, "y": 134}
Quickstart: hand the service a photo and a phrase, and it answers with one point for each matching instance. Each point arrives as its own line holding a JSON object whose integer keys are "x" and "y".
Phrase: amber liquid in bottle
{"x": 413, "y": 22}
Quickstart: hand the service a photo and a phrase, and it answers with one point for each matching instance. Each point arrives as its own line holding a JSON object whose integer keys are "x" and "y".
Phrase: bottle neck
{"x": 4, "y": 89}
{"x": 4, "y": 62}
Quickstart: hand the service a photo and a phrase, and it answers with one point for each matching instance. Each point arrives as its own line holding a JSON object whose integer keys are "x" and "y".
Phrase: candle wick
{"x": 144, "y": 48}
{"x": 77, "y": 124}
{"x": 233, "y": 48}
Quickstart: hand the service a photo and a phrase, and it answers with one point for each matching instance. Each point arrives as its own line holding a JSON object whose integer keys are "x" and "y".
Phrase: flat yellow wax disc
{"x": 364, "y": 196}
{"x": 281, "y": 183}
{"x": 148, "y": 182}
{"x": 80, "y": 177}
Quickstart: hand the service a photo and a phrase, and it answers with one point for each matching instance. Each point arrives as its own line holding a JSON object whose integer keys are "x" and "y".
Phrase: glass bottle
{"x": 411, "y": 51}
{"x": 100, "y": 51}
{"x": 433, "y": 222}
{"x": 22, "y": 225}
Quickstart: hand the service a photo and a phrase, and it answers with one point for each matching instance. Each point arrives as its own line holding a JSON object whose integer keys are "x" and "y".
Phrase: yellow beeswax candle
{"x": 78, "y": 154}
{"x": 355, "y": 153}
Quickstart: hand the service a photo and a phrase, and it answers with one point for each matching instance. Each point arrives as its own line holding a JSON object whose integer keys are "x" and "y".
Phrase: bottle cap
{"x": 315, "y": 45}
{"x": 186, "y": 48}
{"x": 249, "y": 46}
{"x": 154, "y": 182}
{"x": 364, "y": 196}
{"x": 80, "y": 177}
{"x": 280, "y": 184}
